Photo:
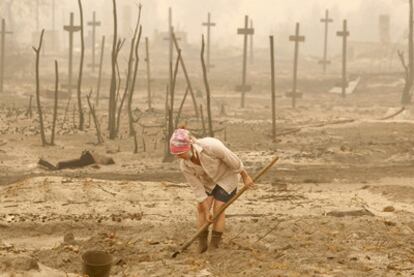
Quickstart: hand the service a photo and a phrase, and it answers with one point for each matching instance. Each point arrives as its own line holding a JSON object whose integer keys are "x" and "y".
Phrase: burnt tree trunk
{"x": 80, "y": 109}
{"x": 39, "y": 107}
{"x": 134, "y": 52}
{"x": 135, "y": 143}
{"x": 95, "y": 119}
{"x": 127, "y": 84}
{"x": 210, "y": 123}
{"x": 98, "y": 89}
{"x": 203, "y": 123}
{"x": 170, "y": 108}
{"x": 172, "y": 95}
{"x": 144, "y": 146}
{"x": 187, "y": 78}
{"x": 119, "y": 109}
{"x": 132, "y": 87}
{"x": 55, "y": 109}
{"x": 119, "y": 79}
{"x": 167, "y": 93}
{"x": 167, "y": 155}
{"x": 180, "y": 109}
{"x": 148, "y": 62}
{"x": 112, "y": 90}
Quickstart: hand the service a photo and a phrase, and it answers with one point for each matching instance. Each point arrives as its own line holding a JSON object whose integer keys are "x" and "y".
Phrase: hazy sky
{"x": 279, "y": 16}
{"x": 270, "y": 16}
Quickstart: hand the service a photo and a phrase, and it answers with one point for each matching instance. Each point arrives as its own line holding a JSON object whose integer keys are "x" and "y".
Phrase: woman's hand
{"x": 206, "y": 210}
{"x": 247, "y": 180}
{"x": 209, "y": 217}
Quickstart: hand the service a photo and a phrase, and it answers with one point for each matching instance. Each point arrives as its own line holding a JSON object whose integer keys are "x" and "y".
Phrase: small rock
{"x": 389, "y": 209}
{"x": 346, "y": 148}
{"x": 390, "y": 223}
{"x": 69, "y": 238}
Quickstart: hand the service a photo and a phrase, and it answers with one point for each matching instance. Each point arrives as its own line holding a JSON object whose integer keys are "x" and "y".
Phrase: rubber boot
{"x": 203, "y": 242}
{"x": 215, "y": 239}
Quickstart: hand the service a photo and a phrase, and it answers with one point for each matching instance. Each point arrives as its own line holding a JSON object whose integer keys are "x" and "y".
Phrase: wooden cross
{"x": 324, "y": 62}
{"x": 251, "y": 45}
{"x": 208, "y": 24}
{"x": 94, "y": 24}
{"x": 246, "y": 31}
{"x": 297, "y": 39}
{"x": 344, "y": 34}
{"x": 3, "y": 47}
{"x": 71, "y": 28}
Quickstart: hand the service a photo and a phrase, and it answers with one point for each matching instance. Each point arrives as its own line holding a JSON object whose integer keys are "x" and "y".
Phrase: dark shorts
{"x": 220, "y": 194}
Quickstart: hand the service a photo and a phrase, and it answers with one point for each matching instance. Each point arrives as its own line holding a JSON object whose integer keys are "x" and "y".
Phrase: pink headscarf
{"x": 180, "y": 141}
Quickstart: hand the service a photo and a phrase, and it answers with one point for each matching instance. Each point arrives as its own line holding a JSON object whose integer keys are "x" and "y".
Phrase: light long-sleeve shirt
{"x": 219, "y": 166}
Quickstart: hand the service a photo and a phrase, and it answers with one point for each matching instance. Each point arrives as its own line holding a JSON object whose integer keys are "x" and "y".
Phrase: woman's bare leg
{"x": 218, "y": 225}
{"x": 203, "y": 237}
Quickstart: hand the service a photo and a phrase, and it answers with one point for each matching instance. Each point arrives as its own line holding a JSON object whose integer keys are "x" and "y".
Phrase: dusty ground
{"x": 336, "y": 155}
{"x": 279, "y": 229}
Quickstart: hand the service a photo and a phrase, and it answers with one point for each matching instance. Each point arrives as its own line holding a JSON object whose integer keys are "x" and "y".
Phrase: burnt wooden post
{"x": 209, "y": 24}
{"x": 297, "y": 38}
{"x": 147, "y": 60}
{"x": 273, "y": 86}
{"x": 251, "y": 44}
{"x": 98, "y": 89}
{"x": 71, "y": 29}
{"x": 246, "y": 31}
{"x": 324, "y": 62}
{"x": 55, "y": 107}
{"x": 94, "y": 24}
{"x": 3, "y": 50}
{"x": 344, "y": 34}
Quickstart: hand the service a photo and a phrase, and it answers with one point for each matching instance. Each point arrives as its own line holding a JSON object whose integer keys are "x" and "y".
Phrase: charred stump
{"x": 39, "y": 106}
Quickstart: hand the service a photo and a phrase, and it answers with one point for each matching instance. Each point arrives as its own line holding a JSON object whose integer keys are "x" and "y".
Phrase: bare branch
{"x": 403, "y": 63}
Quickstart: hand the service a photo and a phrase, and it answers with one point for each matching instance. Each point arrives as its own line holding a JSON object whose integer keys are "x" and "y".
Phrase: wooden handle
{"x": 224, "y": 207}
